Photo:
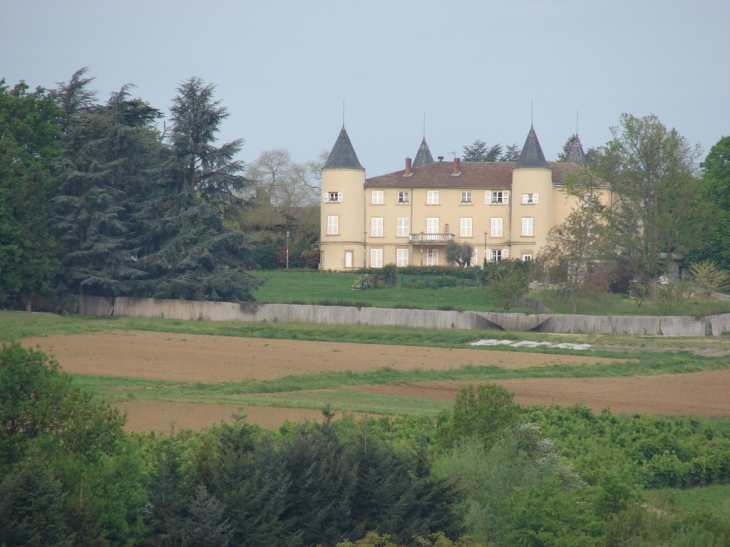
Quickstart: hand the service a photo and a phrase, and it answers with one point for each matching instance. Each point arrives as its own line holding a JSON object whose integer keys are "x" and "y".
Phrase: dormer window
{"x": 403, "y": 198}
{"x": 466, "y": 198}
{"x": 332, "y": 197}
{"x": 529, "y": 199}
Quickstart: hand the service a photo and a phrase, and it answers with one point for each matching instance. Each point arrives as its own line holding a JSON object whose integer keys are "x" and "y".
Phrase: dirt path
{"x": 163, "y": 416}
{"x": 201, "y": 358}
{"x": 702, "y": 393}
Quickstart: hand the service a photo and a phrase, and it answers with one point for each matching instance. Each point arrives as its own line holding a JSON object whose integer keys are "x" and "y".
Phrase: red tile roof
{"x": 473, "y": 175}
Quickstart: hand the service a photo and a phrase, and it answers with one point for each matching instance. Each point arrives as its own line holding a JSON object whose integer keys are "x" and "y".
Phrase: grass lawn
{"x": 311, "y": 287}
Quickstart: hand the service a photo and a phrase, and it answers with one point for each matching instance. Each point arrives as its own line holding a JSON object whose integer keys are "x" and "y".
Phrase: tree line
{"x": 487, "y": 472}
{"x": 98, "y": 199}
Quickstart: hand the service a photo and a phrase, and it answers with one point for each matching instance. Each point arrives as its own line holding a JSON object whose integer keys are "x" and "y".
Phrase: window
{"x": 529, "y": 199}
{"x": 376, "y": 227}
{"x": 348, "y": 259}
{"x": 403, "y": 227}
{"x": 496, "y": 227}
{"x": 333, "y": 197}
{"x": 499, "y": 254}
{"x": 466, "y": 198}
{"x": 496, "y": 198}
{"x": 432, "y": 197}
{"x": 432, "y": 225}
{"x": 432, "y": 257}
{"x": 403, "y": 197}
{"x": 526, "y": 257}
{"x": 527, "y": 223}
{"x": 377, "y": 197}
{"x": 376, "y": 258}
{"x": 401, "y": 256}
{"x": 465, "y": 227}
{"x": 332, "y": 225}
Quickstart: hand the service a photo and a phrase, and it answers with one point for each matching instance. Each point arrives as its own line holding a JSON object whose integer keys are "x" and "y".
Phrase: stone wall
{"x": 187, "y": 310}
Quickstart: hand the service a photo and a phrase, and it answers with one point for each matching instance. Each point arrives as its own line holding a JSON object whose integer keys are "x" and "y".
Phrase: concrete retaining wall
{"x": 431, "y": 319}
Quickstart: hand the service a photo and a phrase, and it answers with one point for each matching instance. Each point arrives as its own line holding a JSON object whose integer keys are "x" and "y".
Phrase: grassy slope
{"x": 312, "y": 287}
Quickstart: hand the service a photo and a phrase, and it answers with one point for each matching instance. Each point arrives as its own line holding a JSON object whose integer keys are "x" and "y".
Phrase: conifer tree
{"x": 191, "y": 251}
{"x": 110, "y": 155}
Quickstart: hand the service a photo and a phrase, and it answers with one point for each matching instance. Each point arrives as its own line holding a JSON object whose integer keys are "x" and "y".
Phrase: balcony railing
{"x": 431, "y": 238}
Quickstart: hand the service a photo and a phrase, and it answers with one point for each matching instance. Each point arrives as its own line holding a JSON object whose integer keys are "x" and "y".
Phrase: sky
{"x": 475, "y": 69}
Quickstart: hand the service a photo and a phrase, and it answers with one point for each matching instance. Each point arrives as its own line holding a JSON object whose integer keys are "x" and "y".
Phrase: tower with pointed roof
{"x": 533, "y": 213}
{"x": 575, "y": 152}
{"x": 342, "y": 241}
{"x": 423, "y": 156}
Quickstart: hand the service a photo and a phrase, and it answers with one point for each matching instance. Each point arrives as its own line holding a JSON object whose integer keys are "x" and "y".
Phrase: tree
{"x": 192, "y": 250}
{"x": 507, "y": 285}
{"x": 81, "y": 444}
{"x": 110, "y": 155}
{"x": 707, "y": 277}
{"x": 715, "y": 242}
{"x": 459, "y": 253}
{"x": 482, "y": 413}
{"x": 29, "y": 130}
{"x": 652, "y": 171}
{"x": 576, "y": 247}
{"x": 589, "y": 156}
{"x": 511, "y": 153}
{"x": 479, "y": 151}
{"x": 287, "y": 194}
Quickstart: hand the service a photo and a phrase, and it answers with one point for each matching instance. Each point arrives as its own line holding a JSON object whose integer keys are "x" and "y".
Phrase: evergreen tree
{"x": 204, "y": 526}
{"x": 511, "y": 153}
{"x": 110, "y": 155}
{"x": 29, "y": 132}
{"x": 480, "y": 151}
{"x": 31, "y": 508}
{"x": 190, "y": 252}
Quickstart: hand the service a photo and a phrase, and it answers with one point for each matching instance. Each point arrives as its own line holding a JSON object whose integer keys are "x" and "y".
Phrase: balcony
{"x": 432, "y": 239}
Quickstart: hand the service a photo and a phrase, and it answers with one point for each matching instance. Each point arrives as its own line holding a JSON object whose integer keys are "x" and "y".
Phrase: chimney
{"x": 408, "y": 168}
{"x": 457, "y": 167}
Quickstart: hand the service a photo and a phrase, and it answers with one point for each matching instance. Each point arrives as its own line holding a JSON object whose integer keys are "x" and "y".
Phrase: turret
{"x": 532, "y": 199}
{"x": 343, "y": 208}
{"x": 423, "y": 157}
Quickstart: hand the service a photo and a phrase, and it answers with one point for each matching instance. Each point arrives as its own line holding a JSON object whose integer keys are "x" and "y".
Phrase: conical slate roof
{"x": 343, "y": 154}
{"x": 575, "y": 153}
{"x": 531, "y": 155}
{"x": 423, "y": 156}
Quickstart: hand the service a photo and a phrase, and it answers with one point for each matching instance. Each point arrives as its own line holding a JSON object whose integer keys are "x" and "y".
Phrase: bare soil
{"x": 699, "y": 394}
{"x": 201, "y": 358}
{"x": 162, "y": 416}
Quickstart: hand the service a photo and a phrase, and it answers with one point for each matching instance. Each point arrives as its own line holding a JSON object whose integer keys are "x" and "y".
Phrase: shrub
{"x": 707, "y": 277}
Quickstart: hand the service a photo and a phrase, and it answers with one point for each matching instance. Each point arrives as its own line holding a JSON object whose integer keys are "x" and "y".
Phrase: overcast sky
{"x": 283, "y": 69}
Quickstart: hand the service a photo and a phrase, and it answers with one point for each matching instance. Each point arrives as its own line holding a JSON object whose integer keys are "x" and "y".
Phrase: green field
{"x": 308, "y": 287}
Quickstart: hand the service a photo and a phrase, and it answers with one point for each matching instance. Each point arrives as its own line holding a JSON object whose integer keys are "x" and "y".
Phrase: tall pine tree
{"x": 191, "y": 252}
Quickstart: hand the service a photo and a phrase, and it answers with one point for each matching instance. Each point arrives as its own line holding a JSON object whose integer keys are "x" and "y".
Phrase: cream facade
{"x": 502, "y": 209}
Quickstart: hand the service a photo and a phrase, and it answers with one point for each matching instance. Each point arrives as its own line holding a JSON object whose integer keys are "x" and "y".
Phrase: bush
{"x": 707, "y": 277}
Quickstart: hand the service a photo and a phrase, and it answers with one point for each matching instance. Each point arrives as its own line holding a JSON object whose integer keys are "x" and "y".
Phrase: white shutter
{"x": 525, "y": 199}
{"x": 488, "y": 197}
{"x": 505, "y": 197}
{"x": 339, "y": 197}
{"x": 326, "y": 197}
{"x": 505, "y": 254}
{"x": 534, "y": 198}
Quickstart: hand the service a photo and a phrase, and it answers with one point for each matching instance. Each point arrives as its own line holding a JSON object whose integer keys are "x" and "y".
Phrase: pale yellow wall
{"x": 350, "y": 218}
{"x": 532, "y": 181}
{"x": 449, "y": 211}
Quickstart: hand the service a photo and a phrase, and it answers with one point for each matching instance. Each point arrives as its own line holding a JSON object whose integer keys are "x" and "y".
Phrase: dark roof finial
{"x": 343, "y": 155}
{"x": 531, "y": 155}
